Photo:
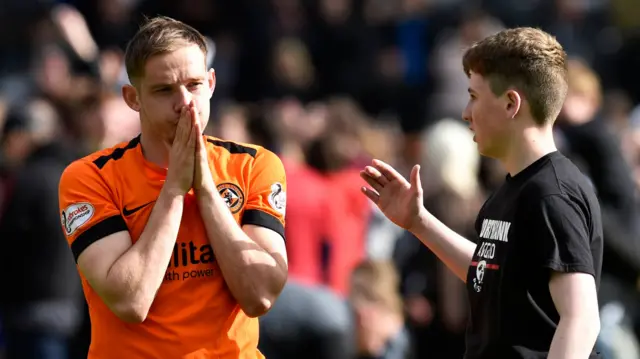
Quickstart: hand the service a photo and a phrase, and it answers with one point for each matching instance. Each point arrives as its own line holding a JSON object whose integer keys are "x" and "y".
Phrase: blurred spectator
{"x": 294, "y": 74}
{"x": 308, "y": 317}
{"x": 377, "y": 306}
{"x": 591, "y": 144}
{"x": 339, "y": 154}
{"x": 307, "y": 320}
{"x": 41, "y": 311}
{"x": 308, "y": 201}
{"x": 232, "y": 124}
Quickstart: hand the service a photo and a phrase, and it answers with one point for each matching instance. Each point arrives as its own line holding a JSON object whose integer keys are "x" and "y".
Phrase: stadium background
{"x": 326, "y": 84}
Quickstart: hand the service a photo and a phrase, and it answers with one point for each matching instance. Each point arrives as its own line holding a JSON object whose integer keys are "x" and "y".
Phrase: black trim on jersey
{"x": 117, "y": 153}
{"x": 99, "y": 230}
{"x": 263, "y": 219}
{"x": 234, "y": 148}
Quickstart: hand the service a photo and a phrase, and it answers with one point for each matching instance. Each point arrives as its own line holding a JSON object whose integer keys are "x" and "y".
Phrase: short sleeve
{"x": 87, "y": 211}
{"x": 267, "y": 193}
{"x": 559, "y": 235}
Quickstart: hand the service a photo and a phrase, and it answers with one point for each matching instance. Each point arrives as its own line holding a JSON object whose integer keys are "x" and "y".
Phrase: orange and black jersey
{"x": 193, "y": 315}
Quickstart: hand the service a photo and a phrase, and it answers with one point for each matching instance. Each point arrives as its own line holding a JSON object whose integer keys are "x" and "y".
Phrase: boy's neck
{"x": 531, "y": 144}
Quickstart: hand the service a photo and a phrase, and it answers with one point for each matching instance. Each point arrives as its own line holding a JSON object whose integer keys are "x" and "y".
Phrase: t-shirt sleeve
{"x": 266, "y": 193}
{"x": 560, "y": 235}
{"x": 87, "y": 210}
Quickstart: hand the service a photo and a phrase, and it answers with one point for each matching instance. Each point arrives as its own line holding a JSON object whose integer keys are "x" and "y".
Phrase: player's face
{"x": 487, "y": 118}
{"x": 171, "y": 81}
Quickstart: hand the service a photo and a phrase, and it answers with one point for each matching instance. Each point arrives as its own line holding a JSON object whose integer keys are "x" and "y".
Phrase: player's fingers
{"x": 195, "y": 123}
{"x": 387, "y": 171}
{"x": 371, "y": 181}
{"x": 192, "y": 130}
{"x": 183, "y": 129}
{"x": 194, "y": 120}
{"x": 371, "y": 194}
{"x": 416, "y": 183}
{"x": 195, "y": 116}
{"x": 375, "y": 174}
{"x": 198, "y": 139}
{"x": 200, "y": 145}
{"x": 180, "y": 126}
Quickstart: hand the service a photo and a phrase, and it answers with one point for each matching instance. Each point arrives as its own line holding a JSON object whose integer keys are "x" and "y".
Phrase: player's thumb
{"x": 416, "y": 183}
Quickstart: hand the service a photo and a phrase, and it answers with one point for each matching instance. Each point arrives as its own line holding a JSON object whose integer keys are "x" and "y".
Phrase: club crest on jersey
{"x": 278, "y": 198}
{"x": 232, "y": 195}
{"x": 74, "y": 216}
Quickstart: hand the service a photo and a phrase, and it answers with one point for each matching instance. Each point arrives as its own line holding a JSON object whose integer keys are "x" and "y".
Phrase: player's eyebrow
{"x": 160, "y": 85}
{"x": 196, "y": 79}
{"x": 169, "y": 84}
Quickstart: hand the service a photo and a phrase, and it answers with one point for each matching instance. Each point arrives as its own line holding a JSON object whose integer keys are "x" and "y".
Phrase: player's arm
{"x": 576, "y": 300}
{"x": 125, "y": 276}
{"x": 402, "y": 202}
{"x": 452, "y": 249}
{"x": 252, "y": 257}
{"x": 561, "y": 245}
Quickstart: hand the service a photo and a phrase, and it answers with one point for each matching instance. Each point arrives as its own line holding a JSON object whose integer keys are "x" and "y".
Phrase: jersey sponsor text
{"x": 185, "y": 257}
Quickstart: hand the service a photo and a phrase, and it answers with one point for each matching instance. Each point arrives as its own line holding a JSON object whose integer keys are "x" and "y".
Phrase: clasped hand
{"x": 188, "y": 159}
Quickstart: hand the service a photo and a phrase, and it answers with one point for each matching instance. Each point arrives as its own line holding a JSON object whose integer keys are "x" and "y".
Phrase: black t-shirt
{"x": 545, "y": 218}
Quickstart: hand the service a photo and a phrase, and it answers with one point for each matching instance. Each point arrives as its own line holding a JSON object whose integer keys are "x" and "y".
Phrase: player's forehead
{"x": 187, "y": 62}
{"x": 477, "y": 83}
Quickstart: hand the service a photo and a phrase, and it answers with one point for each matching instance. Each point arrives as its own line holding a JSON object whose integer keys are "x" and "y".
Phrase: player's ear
{"x": 130, "y": 96}
{"x": 513, "y": 103}
{"x": 211, "y": 81}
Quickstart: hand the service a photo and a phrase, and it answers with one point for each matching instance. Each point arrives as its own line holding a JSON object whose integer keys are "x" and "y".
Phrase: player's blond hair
{"x": 159, "y": 35}
{"x": 527, "y": 59}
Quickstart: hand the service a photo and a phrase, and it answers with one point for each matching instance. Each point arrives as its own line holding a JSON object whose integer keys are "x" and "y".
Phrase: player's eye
{"x": 195, "y": 85}
{"x": 163, "y": 89}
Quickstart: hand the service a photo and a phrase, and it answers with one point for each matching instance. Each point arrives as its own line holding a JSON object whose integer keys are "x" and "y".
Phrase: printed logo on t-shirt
{"x": 477, "y": 281}
{"x": 74, "y": 216}
{"x": 496, "y": 230}
{"x": 482, "y": 266}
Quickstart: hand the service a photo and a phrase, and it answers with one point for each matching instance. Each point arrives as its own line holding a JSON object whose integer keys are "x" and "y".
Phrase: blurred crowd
{"x": 327, "y": 85}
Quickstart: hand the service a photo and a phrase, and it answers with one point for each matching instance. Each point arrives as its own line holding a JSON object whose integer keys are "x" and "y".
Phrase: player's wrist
{"x": 172, "y": 192}
{"x": 420, "y": 222}
{"x": 208, "y": 197}
{"x": 206, "y": 190}
{"x": 205, "y": 187}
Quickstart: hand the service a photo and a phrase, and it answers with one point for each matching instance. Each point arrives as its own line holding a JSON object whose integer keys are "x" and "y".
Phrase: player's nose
{"x": 466, "y": 114}
{"x": 184, "y": 98}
